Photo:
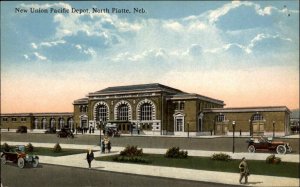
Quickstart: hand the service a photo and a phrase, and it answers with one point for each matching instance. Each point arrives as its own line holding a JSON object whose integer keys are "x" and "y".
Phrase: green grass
{"x": 49, "y": 151}
{"x": 284, "y": 169}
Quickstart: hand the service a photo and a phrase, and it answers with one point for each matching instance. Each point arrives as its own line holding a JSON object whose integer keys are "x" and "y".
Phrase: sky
{"x": 244, "y": 53}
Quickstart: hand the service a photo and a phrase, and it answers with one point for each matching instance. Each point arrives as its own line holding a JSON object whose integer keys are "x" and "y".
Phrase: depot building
{"x": 156, "y": 109}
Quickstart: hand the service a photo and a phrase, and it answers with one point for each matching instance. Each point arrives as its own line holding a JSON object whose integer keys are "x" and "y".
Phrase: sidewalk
{"x": 78, "y": 160}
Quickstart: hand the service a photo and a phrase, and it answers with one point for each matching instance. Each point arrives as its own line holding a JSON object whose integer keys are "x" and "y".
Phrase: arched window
{"x": 146, "y": 111}
{"x": 70, "y": 123}
{"x": 44, "y": 123}
{"x": 123, "y": 112}
{"x": 52, "y": 123}
{"x": 101, "y": 113}
{"x": 36, "y": 123}
{"x": 61, "y": 123}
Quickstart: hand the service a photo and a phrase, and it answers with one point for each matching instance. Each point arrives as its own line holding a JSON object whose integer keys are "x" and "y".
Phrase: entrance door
{"x": 258, "y": 129}
{"x": 84, "y": 123}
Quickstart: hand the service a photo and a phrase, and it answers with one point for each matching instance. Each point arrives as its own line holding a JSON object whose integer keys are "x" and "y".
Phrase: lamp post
{"x": 273, "y": 129}
{"x": 233, "y": 128}
{"x": 76, "y": 128}
{"x": 100, "y": 124}
{"x": 188, "y": 128}
{"x": 250, "y": 127}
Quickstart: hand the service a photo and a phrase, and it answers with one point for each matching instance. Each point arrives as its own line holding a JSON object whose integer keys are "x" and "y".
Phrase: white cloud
{"x": 53, "y": 43}
{"x": 173, "y": 25}
{"x": 90, "y": 51}
{"x": 34, "y": 46}
{"x": 26, "y": 57}
{"x": 39, "y": 56}
{"x": 260, "y": 37}
{"x": 78, "y": 46}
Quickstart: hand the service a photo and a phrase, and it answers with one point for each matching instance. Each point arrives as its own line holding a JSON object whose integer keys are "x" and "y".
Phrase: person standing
{"x": 244, "y": 170}
{"x": 90, "y": 157}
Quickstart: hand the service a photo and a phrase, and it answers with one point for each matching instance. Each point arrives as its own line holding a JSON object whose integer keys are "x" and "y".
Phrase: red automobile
{"x": 263, "y": 143}
{"x": 17, "y": 155}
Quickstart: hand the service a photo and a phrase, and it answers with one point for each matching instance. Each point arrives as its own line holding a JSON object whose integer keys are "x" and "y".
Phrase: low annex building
{"x": 37, "y": 120}
{"x": 156, "y": 109}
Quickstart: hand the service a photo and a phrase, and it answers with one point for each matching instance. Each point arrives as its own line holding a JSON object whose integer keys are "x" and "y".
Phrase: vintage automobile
{"x": 17, "y": 155}
{"x": 65, "y": 133}
{"x": 111, "y": 130}
{"x": 263, "y": 143}
{"x": 50, "y": 131}
{"x": 22, "y": 129}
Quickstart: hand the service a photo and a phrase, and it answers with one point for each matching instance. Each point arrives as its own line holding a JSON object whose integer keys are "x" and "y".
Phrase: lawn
{"x": 49, "y": 151}
{"x": 284, "y": 169}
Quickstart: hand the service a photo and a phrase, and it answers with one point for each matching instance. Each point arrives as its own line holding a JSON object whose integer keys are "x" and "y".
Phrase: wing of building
{"x": 156, "y": 109}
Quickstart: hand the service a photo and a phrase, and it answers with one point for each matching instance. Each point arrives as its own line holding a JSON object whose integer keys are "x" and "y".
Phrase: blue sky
{"x": 245, "y": 53}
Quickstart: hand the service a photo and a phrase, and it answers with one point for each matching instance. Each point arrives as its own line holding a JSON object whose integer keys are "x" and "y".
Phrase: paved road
{"x": 211, "y": 144}
{"x": 52, "y": 175}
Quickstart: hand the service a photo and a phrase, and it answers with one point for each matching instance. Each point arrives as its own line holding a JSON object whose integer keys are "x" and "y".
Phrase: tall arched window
{"x": 36, "y": 123}
{"x": 123, "y": 112}
{"x": 61, "y": 123}
{"x": 44, "y": 123}
{"x": 101, "y": 113}
{"x": 146, "y": 111}
{"x": 52, "y": 123}
{"x": 70, "y": 123}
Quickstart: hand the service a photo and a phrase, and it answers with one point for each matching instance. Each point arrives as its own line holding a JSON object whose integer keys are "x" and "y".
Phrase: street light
{"x": 233, "y": 128}
{"x": 188, "y": 128}
{"x": 273, "y": 129}
{"x": 100, "y": 124}
{"x": 250, "y": 127}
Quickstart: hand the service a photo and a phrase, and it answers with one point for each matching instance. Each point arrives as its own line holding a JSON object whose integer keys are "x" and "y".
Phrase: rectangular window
{"x": 221, "y": 118}
{"x": 4, "y": 119}
{"x": 23, "y": 119}
{"x": 13, "y": 119}
{"x": 181, "y": 107}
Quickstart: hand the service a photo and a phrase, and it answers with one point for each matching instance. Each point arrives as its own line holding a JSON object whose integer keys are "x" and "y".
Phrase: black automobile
{"x": 50, "y": 131}
{"x": 22, "y": 129}
{"x": 112, "y": 132}
{"x": 65, "y": 133}
{"x": 268, "y": 144}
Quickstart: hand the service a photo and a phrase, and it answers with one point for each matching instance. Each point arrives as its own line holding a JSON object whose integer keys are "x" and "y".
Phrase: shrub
{"x": 29, "y": 147}
{"x": 175, "y": 152}
{"x": 131, "y": 151}
{"x": 273, "y": 160}
{"x": 133, "y": 159}
{"x": 5, "y": 147}
{"x": 57, "y": 148}
{"x": 221, "y": 157}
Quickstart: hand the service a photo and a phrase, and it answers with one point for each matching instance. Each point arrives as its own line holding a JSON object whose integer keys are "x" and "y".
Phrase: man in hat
{"x": 90, "y": 157}
{"x": 244, "y": 170}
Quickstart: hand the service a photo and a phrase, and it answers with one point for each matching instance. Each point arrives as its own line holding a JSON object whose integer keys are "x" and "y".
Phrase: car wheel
{"x": 35, "y": 163}
{"x": 21, "y": 162}
{"x": 251, "y": 149}
{"x": 281, "y": 149}
{"x": 3, "y": 159}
